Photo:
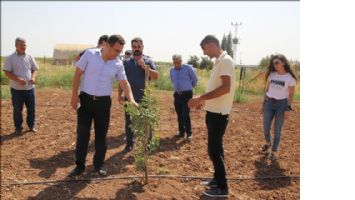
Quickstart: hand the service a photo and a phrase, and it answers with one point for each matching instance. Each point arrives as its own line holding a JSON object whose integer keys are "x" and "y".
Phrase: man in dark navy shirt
{"x": 135, "y": 68}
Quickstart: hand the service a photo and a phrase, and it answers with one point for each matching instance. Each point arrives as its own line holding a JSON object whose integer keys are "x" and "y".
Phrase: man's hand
{"x": 142, "y": 64}
{"x": 196, "y": 102}
{"x": 198, "y": 107}
{"x": 74, "y": 102}
{"x": 134, "y": 103}
{"x": 32, "y": 81}
{"x": 21, "y": 81}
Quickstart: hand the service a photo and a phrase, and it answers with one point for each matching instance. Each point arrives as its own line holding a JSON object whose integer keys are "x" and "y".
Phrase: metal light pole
{"x": 235, "y": 43}
{"x": 235, "y": 39}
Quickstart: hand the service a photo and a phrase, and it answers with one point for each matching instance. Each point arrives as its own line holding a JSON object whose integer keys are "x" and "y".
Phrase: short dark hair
{"x": 103, "y": 38}
{"x": 209, "y": 39}
{"x": 19, "y": 39}
{"x": 128, "y": 52}
{"x": 116, "y": 38}
{"x": 137, "y": 39}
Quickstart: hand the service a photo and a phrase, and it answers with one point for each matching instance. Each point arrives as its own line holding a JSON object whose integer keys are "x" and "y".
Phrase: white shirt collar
{"x": 224, "y": 53}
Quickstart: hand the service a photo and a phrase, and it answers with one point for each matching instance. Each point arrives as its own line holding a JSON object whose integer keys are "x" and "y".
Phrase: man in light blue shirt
{"x": 21, "y": 69}
{"x": 99, "y": 67}
{"x": 184, "y": 79}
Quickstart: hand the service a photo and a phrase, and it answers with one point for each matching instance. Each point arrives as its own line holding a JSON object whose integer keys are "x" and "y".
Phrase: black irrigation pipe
{"x": 5, "y": 184}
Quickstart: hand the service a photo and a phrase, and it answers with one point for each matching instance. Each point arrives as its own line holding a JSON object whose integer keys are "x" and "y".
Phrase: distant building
{"x": 64, "y": 54}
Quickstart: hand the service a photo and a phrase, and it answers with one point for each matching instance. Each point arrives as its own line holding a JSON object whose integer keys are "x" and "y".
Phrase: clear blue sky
{"x": 165, "y": 27}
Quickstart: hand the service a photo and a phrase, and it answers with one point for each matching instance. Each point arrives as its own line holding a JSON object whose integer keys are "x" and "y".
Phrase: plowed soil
{"x": 50, "y": 155}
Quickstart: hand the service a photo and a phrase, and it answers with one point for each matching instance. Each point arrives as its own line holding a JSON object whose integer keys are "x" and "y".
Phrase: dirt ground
{"x": 50, "y": 155}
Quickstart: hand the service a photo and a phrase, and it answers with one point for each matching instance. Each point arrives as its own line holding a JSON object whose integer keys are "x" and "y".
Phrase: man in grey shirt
{"x": 21, "y": 69}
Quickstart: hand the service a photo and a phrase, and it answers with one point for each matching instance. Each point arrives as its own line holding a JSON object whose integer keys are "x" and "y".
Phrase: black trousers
{"x": 183, "y": 111}
{"x": 98, "y": 110}
{"x": 216, "y": 126}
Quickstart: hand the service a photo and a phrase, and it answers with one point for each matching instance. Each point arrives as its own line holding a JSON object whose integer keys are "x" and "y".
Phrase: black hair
{"x": 137, "y": 39}
{"x": 128, "y": 52}
{"x": 271, "y": 67}
{"x": 113, "y": 39}
{"x": 209, "y": 39}
{"x": 103, "y": 38}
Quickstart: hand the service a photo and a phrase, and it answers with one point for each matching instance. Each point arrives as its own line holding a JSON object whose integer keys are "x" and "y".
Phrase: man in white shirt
{"x": 218, "y": 103}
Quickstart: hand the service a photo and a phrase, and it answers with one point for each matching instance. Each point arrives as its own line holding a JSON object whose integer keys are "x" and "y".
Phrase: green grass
{"x": 163, "y": 82}
{"x": 240, "y": 97}
{"x": 5, "y": 92}
{"x": 3, "y": 79}
{"x": 61, "y": 77}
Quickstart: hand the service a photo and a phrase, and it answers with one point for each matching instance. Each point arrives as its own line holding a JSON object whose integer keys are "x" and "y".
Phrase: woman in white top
{"x": 280, "y": 87}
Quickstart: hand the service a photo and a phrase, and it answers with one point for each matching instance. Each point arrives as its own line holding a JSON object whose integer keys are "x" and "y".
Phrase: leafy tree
{"x": 194, "y": 61}
{"x": 144, "y": 119}
{"x": 264, "y": 62}
{"x": 206, "y": 63}
{"x": 229, "y": 45}
{"x": 224, "y": 42}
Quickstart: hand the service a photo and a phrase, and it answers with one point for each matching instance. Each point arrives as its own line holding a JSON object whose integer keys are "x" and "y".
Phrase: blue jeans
{"x": 274, "y": 109}
{"x": 20, "y": 98}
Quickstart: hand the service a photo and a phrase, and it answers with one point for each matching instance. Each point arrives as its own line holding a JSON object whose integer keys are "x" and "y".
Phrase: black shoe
{"x": 76, "y": 172}
{"x": 179, "y": 135}
{"x": 216, "y": 192}
{"x": 18, "y": 131}
{"x": 211, "y": 183}
{"x": 102, "y": 171}
{"x": 128, "y": 148}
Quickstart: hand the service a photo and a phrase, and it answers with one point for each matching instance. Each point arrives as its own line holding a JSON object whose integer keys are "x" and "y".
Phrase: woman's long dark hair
{"x": 271, "y": 67}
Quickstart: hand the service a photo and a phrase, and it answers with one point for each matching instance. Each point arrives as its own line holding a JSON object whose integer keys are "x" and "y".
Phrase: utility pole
{"x": 235, "y": 43}
{"x": 235, "y": 39}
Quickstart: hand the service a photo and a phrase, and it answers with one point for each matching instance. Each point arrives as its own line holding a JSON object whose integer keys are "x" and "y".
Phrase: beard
{"x": 137, "y": 53}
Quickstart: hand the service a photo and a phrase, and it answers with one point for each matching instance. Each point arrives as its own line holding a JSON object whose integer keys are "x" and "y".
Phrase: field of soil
{"x": 50, "y": 155}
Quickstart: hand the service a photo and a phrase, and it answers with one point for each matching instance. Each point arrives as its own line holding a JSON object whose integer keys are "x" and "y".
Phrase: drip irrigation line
{"x": 16, "y": 182}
